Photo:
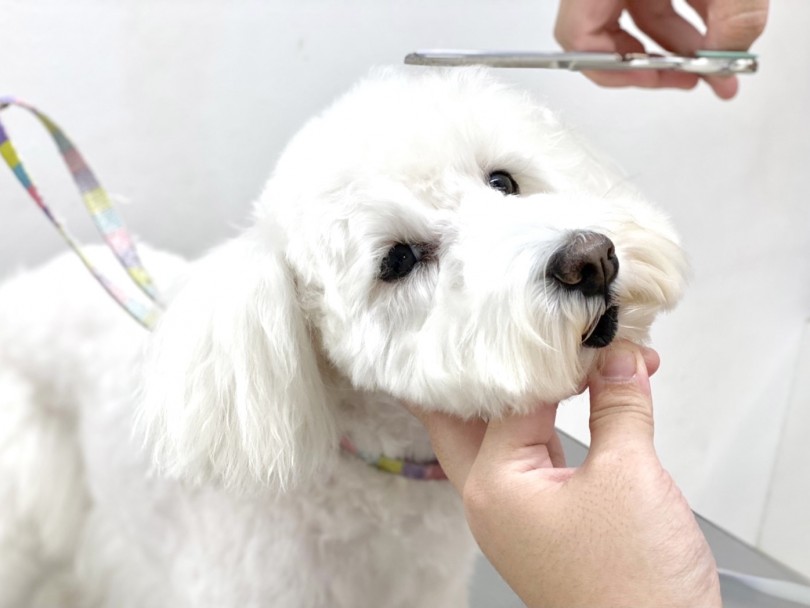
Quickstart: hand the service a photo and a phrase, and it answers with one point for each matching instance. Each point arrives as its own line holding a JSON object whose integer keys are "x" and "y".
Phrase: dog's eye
{"x": 503, "y": 182}
{"x": 400, "y": 260}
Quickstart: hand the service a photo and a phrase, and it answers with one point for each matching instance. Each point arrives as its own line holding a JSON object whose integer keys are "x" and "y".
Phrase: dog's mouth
{"x": 602, "y": 329}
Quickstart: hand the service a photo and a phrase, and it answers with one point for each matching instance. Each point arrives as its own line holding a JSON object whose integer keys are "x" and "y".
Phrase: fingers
{"x": 584, "y": 25}
{"x": 651, "y": 360}
{"x": 621, "y": 408}
{"x": 621, "y": 404}
{"x": 555, "y": 451}
{"x": 646, "y": 79}
{"x": 659, "y": 20}
{"x": 731, "y": 25}
{"x": 455, "y": 441}
{"x": 522, "y": 442}
{"x": 588, "y": 25}
{"x": 662, "y": 23}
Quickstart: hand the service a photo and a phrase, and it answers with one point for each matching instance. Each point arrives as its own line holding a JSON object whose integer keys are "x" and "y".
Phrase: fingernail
{"x": 619, "y": 364}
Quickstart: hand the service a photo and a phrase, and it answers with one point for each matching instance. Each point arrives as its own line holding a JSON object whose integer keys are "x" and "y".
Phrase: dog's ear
{"x": 232, "y": 391}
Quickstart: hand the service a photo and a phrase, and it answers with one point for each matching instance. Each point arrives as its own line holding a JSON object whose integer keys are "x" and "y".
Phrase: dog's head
{"x": 434, "y": 236}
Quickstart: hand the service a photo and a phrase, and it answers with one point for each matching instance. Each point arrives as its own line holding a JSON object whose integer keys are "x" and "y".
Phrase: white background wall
{"x": 182, "y": 107}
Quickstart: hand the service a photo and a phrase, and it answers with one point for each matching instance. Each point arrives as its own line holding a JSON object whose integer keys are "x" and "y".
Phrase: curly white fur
{"x": 200, "y": 466}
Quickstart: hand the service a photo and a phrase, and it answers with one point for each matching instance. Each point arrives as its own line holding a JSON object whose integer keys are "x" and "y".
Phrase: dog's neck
{"x": 373, "y": 423}
{"x": 378, "y": 424}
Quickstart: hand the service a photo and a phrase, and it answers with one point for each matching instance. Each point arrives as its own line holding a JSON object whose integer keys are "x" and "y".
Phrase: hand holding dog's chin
{"x": 614, "y": 532}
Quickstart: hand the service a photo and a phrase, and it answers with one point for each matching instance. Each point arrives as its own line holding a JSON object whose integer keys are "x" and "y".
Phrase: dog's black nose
{"x": 586, "y": 263}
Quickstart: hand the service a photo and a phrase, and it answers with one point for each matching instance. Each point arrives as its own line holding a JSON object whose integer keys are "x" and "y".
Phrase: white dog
{"x": 432, "y": 238}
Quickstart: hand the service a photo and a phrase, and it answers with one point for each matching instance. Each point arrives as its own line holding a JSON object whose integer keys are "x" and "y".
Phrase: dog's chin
{"x": 603, "y": 329}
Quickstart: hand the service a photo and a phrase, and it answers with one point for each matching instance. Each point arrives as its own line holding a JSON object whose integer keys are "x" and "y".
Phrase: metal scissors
{"x": 722, "y": 63}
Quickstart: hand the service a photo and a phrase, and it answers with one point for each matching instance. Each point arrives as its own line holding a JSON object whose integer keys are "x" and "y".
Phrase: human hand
{"x": 593, "y": 25}
{"x": 614, "y": 532}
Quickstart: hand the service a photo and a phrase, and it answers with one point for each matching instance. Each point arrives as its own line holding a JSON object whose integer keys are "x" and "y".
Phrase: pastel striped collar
{"x": 397, "y": 466}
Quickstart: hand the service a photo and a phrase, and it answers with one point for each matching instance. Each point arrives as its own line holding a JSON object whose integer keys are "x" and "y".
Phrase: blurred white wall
{"x": 182, "y": 107}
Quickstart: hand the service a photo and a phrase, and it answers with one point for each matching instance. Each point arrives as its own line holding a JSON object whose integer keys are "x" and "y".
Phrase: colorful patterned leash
{"x": 106, "y": 218}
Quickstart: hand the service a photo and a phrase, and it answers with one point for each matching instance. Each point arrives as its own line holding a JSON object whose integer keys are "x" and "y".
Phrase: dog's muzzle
{"x": 587, "y": 264}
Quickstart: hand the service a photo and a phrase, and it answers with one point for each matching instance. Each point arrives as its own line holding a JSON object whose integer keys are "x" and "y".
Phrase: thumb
{"x": 621, "y": 404}
{"x": 733, "y": 25}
